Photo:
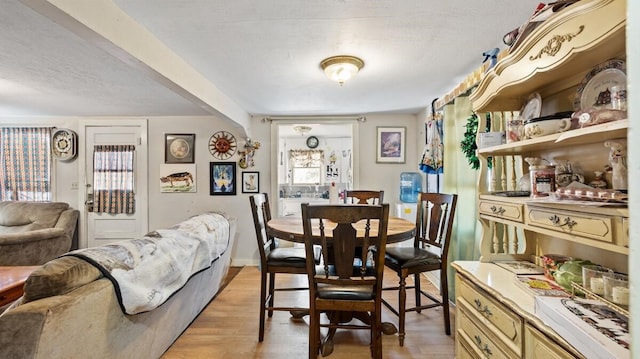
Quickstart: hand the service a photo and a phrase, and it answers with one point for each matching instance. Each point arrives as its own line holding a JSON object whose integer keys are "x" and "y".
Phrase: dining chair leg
{"x": 272, "y": 286}
{"x": 444, "y": 293}
{"x": 402, "y": 305}
{"x": 314, "y": 333}
{"x": 263, "y": 298}
{"x": 418, "y": 291}
{"x": 376, "y": 340}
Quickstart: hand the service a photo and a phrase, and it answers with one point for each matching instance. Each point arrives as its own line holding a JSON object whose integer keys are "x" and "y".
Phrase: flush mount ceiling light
{"x": 302, "y": 130}
{"x": 341, "y": 68}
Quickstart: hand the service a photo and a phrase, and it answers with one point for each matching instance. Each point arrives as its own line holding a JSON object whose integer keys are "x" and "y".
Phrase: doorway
{"x": 309, "y": 157}
{"x": 98, "y": 227}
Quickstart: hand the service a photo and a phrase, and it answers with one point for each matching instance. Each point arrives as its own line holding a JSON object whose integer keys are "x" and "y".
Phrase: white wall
{"x": 166, "y": 209}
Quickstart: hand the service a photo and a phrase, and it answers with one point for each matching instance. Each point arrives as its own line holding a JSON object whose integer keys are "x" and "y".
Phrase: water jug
{"x": 410, "y": 186}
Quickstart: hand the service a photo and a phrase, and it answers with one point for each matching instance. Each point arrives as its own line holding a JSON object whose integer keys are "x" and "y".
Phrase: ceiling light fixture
{"x": 341, "y": 68}
{"x": 302, "y": 130}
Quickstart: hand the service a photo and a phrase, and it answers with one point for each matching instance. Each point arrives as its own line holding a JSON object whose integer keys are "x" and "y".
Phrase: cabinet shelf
{"x": 567, "y": 44}
{"x": 581, "y": 136}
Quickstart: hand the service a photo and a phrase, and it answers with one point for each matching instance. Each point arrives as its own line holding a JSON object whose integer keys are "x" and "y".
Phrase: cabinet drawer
{"x": 586, "y": 225}
{"x": 624, "y": 239}
{"x": 510, "y": 211}
{"x": 539, "y": 346}
{"x": 498, "y": 318}
{"x": 479, "y": 341}
{"x": 464, "y": 349}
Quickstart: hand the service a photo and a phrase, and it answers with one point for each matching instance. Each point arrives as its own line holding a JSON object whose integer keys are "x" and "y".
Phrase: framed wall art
{"x": 178, "y": 178}
{"x": 250, "y": 182}
{"x": 223, "y": 178}
{"x": 391, "y": 144}
{"x": 179, "y": 148}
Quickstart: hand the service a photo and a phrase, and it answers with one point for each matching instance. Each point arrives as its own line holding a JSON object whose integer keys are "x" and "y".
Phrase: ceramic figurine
{"x": 598, "y": 181}
{"x": 492, "y": 57}
{"x": 618, "y": 162}
{"x": 246, "y": 159}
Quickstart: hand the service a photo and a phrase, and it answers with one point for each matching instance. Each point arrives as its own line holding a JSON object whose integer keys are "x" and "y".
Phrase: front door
{"x": 98, "y": 228}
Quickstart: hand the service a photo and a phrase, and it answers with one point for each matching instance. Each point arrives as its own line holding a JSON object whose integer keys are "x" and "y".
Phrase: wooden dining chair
{"x": 363, "y": 197}
{"x": 339, "y": 287}
{"x": 274, "y": 260}
{"x": 434, "y": 222}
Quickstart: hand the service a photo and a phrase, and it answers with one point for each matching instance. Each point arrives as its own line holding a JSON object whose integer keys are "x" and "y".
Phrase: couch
{"x": 72, "y": 309}
{"x": 32, "y": 233}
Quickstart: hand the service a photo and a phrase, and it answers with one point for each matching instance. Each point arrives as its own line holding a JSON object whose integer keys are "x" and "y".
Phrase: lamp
{"x": 302, "y": 129}
{"x": 341, "y": 68}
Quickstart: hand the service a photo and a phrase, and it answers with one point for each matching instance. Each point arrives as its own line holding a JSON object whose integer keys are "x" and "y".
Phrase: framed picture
{"x": 223, "y": 178}
{"x": 250, "y": 182}
{"x": 177, "y": 178}
{"x": 179, "y": 148}
{"x": 391, "y": 144}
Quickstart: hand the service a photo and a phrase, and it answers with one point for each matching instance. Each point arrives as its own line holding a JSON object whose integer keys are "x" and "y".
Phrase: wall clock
{"x": 312, "y": 142}
{"x": 63, "y": 144}
{"x": 222, "y": 145}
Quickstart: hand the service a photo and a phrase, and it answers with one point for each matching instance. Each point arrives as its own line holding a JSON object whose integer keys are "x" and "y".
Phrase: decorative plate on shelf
{"x": 532, "y": 108}
{"x": 222, "y": 145}
{"x": 594, "y": 90}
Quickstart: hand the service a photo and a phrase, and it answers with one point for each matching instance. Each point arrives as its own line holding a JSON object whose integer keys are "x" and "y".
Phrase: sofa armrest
{"x": 68, "y": 221}
{"x": 31, "y": 236}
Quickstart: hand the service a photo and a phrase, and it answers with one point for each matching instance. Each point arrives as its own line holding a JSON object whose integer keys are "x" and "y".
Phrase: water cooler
{"x": 410, "y": 187}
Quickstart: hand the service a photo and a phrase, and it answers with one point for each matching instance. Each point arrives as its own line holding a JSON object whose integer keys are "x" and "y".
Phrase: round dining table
{"x": 290, "y": 228}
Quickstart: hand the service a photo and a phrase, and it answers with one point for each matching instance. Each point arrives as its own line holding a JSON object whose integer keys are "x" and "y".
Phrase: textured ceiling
{"x": 263, "y": 55}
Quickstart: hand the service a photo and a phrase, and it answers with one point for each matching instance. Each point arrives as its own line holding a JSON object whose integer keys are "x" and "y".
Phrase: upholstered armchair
{"x": 32, "y": 233}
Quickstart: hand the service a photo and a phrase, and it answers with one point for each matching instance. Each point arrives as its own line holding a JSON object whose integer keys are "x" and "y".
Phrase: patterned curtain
{"x": 25, "y": 164}
{"x": 113, "y": 181}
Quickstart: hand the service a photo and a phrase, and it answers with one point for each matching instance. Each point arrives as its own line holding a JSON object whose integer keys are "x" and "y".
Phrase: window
{"x": 306, "y": 166}
{"x": 25, "y": 165}
{"x": 307, "y": 175}
{"x": 113, "y": 181}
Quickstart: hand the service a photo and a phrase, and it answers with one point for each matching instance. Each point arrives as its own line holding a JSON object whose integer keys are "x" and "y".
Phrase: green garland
{"x": 468, "y": 144}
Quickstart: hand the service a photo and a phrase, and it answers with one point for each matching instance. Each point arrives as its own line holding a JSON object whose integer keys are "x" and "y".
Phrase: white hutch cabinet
{"x": 495, "y": 317}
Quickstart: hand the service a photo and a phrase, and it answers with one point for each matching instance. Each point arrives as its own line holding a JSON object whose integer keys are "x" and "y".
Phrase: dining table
{"x": 290, "y": 228}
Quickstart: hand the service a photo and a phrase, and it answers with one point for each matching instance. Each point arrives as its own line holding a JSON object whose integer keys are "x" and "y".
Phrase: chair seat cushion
{"x": 346, "y": 292}
{"x": 407, "y": 257}
{"x": 287, "y": 256}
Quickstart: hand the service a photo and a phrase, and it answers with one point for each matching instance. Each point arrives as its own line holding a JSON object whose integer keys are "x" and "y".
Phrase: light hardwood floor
{"x": 228, "y": 327}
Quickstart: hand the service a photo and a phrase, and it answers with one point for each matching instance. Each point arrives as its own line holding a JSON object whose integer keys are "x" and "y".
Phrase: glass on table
{"x": 616, "y": 288}
{"x": 593, "y": 278}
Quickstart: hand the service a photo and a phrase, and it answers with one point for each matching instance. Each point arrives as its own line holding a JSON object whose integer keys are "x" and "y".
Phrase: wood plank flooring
{"x": 228, "y": 326}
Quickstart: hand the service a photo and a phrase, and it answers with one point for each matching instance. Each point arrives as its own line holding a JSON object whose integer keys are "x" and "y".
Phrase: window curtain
{"x": 113, "y": 181}
{"x": 25, "y": 165}
{"x": 460, "y": 178}
{"x": 306, "y": 158}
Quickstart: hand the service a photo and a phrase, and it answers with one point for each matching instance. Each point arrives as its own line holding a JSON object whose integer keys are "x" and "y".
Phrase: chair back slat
{"x": 261, "y": 215}
{"x": 434, "y": 222}
{"x": 363, "y": 197}
{"x": 339, "y": 250}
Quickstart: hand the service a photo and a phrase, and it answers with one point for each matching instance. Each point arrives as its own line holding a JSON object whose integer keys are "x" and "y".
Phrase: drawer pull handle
{"x": 484, "y": 311}
{"x": 499, "y": 211}
{"x": 484, "y": 349}
{"x": 567, "y": 221}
